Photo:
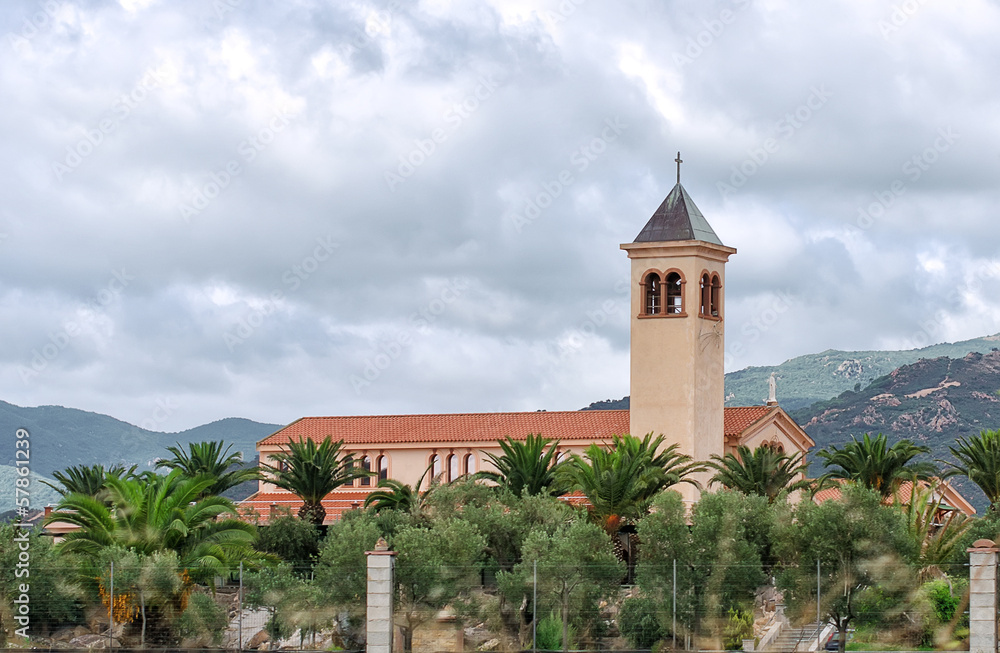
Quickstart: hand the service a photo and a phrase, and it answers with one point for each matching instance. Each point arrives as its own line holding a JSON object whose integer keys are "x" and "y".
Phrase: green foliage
{"x": 526, "y": 468}
{"x": 858, "y": 542}
{"x": 762, "y": 471}
{"x": 936, "y": 530}
{"x": 876, "y": 465}
{"x": 435, "y": 566}
{"x": 294, "y": 540}
{"x": 50, "y": 581}
{"x": 203, "y": 622}
{"x": 311, "y": 471}
{"x": 739, "y": 626}
{"x": 210, "y": 459}
{"x": 575, "y": 570}
{"x": 666, "y": 537}
{"x": 150, "y": 585}
{"x": 979, "y": 460}
{"x": 639, "y": 623}
{"x": 549, "y": 634}
{"x": 342, "y": 566}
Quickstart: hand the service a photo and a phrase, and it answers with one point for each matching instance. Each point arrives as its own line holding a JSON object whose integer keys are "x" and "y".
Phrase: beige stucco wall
{"x": 408, "y": 461}
{"x": 677, "y": 375}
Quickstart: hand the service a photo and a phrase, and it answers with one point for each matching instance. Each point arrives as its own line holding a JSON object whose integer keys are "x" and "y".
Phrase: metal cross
{"x": 679, "y": 162}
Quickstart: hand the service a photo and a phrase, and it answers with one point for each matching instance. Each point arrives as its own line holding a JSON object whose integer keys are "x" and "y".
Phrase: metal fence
{"x": 530, "y": 605}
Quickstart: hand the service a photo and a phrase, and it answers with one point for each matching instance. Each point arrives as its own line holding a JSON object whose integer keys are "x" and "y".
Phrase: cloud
{"x": 478, "y": 165}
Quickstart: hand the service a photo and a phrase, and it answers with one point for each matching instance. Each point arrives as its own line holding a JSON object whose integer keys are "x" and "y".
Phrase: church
{"x": 678, "y": 327}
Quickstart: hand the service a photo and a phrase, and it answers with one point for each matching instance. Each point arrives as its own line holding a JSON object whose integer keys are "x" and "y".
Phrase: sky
{"x": 218, "y": 208}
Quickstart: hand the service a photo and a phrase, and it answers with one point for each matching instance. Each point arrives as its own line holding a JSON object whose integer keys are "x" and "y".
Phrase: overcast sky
{"x": 218, "y": 208}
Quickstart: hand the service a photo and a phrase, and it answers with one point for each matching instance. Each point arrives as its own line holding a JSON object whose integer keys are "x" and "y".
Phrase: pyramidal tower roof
{"x": 677, "y": 219}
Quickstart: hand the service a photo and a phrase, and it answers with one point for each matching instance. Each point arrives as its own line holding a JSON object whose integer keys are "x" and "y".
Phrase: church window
{"x": 714, "y": 299}
{"x": 675, "y": 294}
{"x": 470, "y": 464}
{"x": 435, "y": 466}
{"x": 382, "y": 463}
{"x": 453, "y": 472}
{"x": 652, "y": 294}
{"x": 366, "y": 465}
{"x": 706, "y": 289}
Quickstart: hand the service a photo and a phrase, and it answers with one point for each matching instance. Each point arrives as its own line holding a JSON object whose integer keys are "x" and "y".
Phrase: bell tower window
{"x": 716, "y": 307}
{"x": 706, "y": 289}
{"x": 652, "y": 294}
{"x": 675, "y": 294}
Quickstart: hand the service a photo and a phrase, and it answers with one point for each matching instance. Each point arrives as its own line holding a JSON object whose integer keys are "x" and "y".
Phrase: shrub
{"x": 548, "y": 635}
{"x": 638, "y": 622}
{"x": 204, "y": 620}
{"x": 739, "y": 626}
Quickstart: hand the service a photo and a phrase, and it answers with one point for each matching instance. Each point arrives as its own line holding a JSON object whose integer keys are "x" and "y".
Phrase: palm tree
{"x": 88, "y": 480}
{"x": 311, "y": 471}
{"x": 210, "y": 458}
{"x": 620, "y": 481}
{"x": 874, "y": 464}
{"x": 157, "y": 514}
{"x": 762, "y": 471}
{"x": 937, "y": 531}
{"x": 391, "y": 494}
{"x": 979, "y": 460}
{"x": 526, "y": 468}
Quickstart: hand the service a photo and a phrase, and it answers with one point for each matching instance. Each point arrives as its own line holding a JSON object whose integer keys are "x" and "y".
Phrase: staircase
{"x": 797, "y": 639}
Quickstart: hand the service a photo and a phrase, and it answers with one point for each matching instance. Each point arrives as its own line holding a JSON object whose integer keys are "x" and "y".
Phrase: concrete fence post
{"x": 379, "y": 624}
{"x": 983, "y": 597}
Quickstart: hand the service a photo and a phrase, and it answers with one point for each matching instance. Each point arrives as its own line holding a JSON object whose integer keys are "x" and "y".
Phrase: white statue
{"x": 771, "y": 387}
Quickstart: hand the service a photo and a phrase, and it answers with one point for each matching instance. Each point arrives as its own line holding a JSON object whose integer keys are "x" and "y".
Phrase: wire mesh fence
{"x": 525, "y": 605}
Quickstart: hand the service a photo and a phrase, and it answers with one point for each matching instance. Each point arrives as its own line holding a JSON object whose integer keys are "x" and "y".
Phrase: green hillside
{"x": 39, "y": 494}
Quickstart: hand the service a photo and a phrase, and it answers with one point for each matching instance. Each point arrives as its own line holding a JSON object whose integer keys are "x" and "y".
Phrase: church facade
{"x": 678, "y": 318}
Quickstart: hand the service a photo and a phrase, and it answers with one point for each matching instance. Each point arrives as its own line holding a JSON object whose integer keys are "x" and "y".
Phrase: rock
{"x": 89, "y": 641}
{"x": 66, "y": 634}
{"x": 260, "y": 638}
{"x": 490, "y": 645}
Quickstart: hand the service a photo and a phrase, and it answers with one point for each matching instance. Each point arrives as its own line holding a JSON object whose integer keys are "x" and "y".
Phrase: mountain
{"x": 805, "y": 380}
{"x": 931, "y": 402}
{"x": 62, "y": 437}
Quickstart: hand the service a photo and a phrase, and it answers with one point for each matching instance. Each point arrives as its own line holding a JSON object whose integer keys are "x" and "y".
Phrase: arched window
{"x": 470, "y": 464}
{"x": 706, "y": 290}
{"x": 716, "y": 289}
{"x": 435, "y": 466}
{"x": 652, "y": 284}
{"x": 366, "y": 464}
{"x": 453, "y": 472}
{"x": 382, "y": 464}
{"x": 675, "y": 294}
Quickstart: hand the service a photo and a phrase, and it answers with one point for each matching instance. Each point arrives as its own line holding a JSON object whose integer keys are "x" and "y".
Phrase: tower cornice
{"x": 700, "y": 248}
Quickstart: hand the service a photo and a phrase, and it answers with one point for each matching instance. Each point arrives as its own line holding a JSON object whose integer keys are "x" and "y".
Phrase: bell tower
{"x": 678, "y": 330}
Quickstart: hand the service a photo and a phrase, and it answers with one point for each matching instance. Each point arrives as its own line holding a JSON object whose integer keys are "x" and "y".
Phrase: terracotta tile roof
{"x": 483, "y": 427}
{"x": 737, "y": 419}
{"x": 336, "y": 503}
{"x": 953, "y": 499}
{"x": 461, "y": 427}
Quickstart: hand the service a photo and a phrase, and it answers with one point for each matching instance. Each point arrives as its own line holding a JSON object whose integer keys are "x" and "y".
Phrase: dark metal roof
{"x": 677, "y": 219}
